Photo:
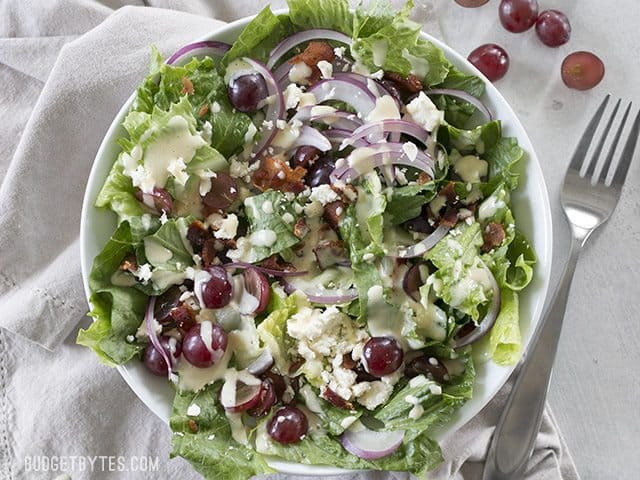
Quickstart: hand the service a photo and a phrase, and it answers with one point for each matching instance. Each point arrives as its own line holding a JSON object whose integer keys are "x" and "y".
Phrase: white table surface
{"x": 596, "y": 384}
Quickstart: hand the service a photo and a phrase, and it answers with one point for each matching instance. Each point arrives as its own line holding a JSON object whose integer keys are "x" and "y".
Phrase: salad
{"x": 314, "y": 242}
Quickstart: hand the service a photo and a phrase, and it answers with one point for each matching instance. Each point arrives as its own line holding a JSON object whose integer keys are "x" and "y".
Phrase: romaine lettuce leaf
{"x": 407, "y": 202}
{"x": 503, "y": 158}
{"x": 265, "y": 212}
{"x": 273, "y": 329}
{"x": 117, "y": 310}
{"x": 170, "y": 237}
{"x": 456, "y": 111}
{"x": 365, "y": 274}
{"x": 331, "y": 14}
{"x": 438, "y": 408}
{"x": 479, "y": 141}
{"x": 206, "y": 441}
{"x": 505, "y": 341}
{"x": 259, "y": 37}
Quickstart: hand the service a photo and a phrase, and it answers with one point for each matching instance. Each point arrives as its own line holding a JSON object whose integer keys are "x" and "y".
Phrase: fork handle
{"x": 517, "y": 429}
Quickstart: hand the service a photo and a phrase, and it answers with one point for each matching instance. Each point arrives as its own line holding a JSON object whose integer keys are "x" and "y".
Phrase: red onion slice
{"x": 380, "y": 155}
{"x": 311, "y": 136}
{"x": 369, "y": 444}
{"x": 275, "y": 110}
{"x": 267, "y": 271}
{"x": 336, "y": 136}
{"x": 425, "y": 245}
{"x": 153, "y": 336}
{"x": 462, "y": 95}
{"x": 489, "y": 319}
{"x": 345, "y": 90}
{"x": 208, "y": 47}
{"x": 300, "y": 37}
{"x": 379, "y": 129}
{"x": 326, "y": 297}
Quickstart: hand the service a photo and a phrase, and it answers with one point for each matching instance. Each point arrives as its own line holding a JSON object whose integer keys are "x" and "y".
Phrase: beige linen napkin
{"x": 64, "y": 402}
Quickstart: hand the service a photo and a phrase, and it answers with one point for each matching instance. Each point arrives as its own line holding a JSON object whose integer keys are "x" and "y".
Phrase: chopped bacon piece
{"x": 129, "y": 264}
{"x": 348, "y": 362}
{"x": 183, "y": 317}
{"x": 333, "y": 213}
{"x": 411, "y": 83}
{"x": 295, "y": 365}
{"x": 300, "y": 229}
{"x": 210, "y": 251}
{"x": 204, "y": 109}
{"x": 493, "y": 236}
{"x": 336, "y": 400}
{"x": 187, "y": 86}
{"x": 197, "y": 234}
{"x": 193, "y": 425}
{"x": 423, "y": 177}
{"x": 347, "y": 193}
{"x": 450, "y": 217}
{"x": 449, "y": 191}
{"x": 275, "y": 173}
{"x": 275, "y": 262}
{"x": 314, "y": 53}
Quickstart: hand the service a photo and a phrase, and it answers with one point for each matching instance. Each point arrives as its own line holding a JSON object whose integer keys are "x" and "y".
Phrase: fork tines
{"x": 587, "y": 165}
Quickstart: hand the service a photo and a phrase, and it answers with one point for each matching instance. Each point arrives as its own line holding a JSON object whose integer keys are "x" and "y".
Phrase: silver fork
{"x": 588, "y": 199}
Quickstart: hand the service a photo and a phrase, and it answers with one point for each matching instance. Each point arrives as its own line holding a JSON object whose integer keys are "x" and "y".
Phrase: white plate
{"x": 530, "y": 204}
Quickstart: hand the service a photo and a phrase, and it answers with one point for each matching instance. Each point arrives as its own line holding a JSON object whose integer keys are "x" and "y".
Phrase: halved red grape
{"x": 288, "y": 425}
{"x": 491, "y": 59}
{"x": 412, "y": 282}
{"x": 159, "y": 198}
{"x": 217, "y": 292}
{"x": 204, "y": 344}
{"x": 382, "y": 356}
{"x": 430, "y": 367}
{"x": 224, "y": 191}
{"x": 553, "y": 28}
{"x": 247, "y": 92}
{"x": 165, "y": 303}
{"x": 305, "y": 156}
{"x": 247, "y": 396}
{"x": 256, "y": 284}
{"x": 153, "y": 359}
{"x": 471, "y": 3}
{"x": 582, "y": 70}
{"x": 518, "y": 15}
{"x": 267, "y": 399}
{"x": 320, "y": 172}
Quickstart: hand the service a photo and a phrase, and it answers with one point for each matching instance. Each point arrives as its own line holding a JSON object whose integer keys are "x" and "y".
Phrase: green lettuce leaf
{"x": 456, "y": 111}
{"x": 407, "y": 202}
{"x": 211, "y": 449}
{"x": 170, "y": 237}
{"x": 438, "y": 408}
{"x": 262, "y": 218}
{"x": 503, "y": 158}
{"x": 272, "y": 331}
{"x": 479, "y": 141}
{"x": 505, "y": 341}
{"x": 331, "y": 14}
{"x": 259, "y": 37}
{"x": 365, "y": 274}
{"x": 117, "y": 311}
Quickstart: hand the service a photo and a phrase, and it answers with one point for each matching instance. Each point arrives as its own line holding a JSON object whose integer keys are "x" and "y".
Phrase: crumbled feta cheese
{"x": 292, "y": 96}
{"x": 323, "y": 194}
{"x": 267, "y": 207}
{"x": 424, "y": 112}
{"x": 307, "y": 99}
{"x": 268, "y": 124}
{"x": 419, "y": 381}
{"x": 193, "y": 410}
{"x": 416, "y": 412}
{"x": 224, "y": 228}
{"x": 215, "y": 107}
{"x": 178, "y": 168}
{"x": 377, "y": 394}
{"x": 143, "y": 179}
{"x": 143, "y": 273}
{"x": 163, "y": 218}
{"x": 207, "y": 128}
{"x": 131, "y": 338}
{"x": 410, "y": 150}
{"x": 368, "y": 256}
{"x": 299, "y": 73}
{"x": 339, "y": 51}
{"x": 326, "y": 69}
{"x": 250, "y": 133}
